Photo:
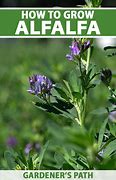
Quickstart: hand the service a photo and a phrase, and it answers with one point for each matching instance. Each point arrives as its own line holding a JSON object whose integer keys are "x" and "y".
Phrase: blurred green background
{"x": 20, "y": 59}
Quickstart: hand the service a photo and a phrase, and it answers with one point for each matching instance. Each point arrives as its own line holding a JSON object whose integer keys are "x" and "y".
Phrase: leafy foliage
{"x": 93, "y": 3}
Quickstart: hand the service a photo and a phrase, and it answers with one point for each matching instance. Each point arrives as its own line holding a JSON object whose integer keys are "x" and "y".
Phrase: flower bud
{"x": 106, "y": 76}
{"x": 112, "y": 116}
{"x": 77, "y": 48}
{"x": 12, "y": 141}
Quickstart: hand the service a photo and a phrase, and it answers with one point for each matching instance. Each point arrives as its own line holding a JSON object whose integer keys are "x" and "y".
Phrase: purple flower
{"x": 77, "y": 48}
{"x": 69, "y": 57}
{"x": 11, "y": 141}
{"x": 40, "y": 85}
{"x": 86, "y": 45}
{"x": 37, "y": 146}
{"x": 30, "y": 146}
{"x": 112, "y": 116}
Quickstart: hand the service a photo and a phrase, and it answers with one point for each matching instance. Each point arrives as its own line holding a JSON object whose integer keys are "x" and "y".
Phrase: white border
{"x": 55, "y": 8}
{"x": 21, "y": 174}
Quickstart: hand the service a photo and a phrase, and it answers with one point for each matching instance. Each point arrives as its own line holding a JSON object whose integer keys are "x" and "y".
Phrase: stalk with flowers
{"x": 77, "y": 51}
{"x": 69, "y": 99}
{"x": 42, "y": 87}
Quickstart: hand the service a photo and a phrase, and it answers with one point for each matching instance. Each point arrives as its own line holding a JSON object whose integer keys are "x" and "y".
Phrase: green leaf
{"x": 89, "y": 3}
{"x": 67, "y": 86}
{"x": 43, "y": 150}
{"x": 88, "y": 75}
{"x": 61, "y": 90}
{"x": 110, "y": 53}
{"x": 113, "y": 100}
{"x": 47, "y": 107}
{"x": 59, "y": 160}
{"x": 101, "y": 133}
{"x": 77, "y": 95}
{"x": 35, "y": 159}
{"x": 91, "y": 86}
{"x": 10, "y": 160}
{"x": 63, "y": 105}
{"x": 72, "y": 161}
{"x": 22, "y": 158}
{"x": 110, "y": 148}
{"x": 112, "y": 127}
{"x": 62, "y": 93}
{"x": 74, "y": 80}
{"x": 99, "y": 111}
{"x": 100, "y": 1}
{"x": 57, "y": 108}
{"x": 55, "y": 93}
{"x": 96, "y": 3}
{"x": 30, "y": 163}
{"x": 109, "y": 47}
{"x": 114, "y": 74}
{"x": 83, "y": 162}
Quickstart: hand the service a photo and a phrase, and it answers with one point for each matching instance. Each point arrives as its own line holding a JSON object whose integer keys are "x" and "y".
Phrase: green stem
{"x": 80, "y": 68}
{"x": 82, "y": 111}
{"x": 85, "y": 93}
{"x": 111, "y": 91}
{"x": 84, "y": 106}
{"x": 79, "y": 114}
{"x": 77, "y": 106}
{"x": 88, "y": 59}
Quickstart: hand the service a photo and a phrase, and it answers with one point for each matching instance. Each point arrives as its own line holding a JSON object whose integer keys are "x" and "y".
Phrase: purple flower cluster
{"x": 11, "y": 141}
{"x": 32, "y": 146}
{"x": 28, "y": 148}
{"x": 77, "y": 48}
{"x": 40, "y": 85}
